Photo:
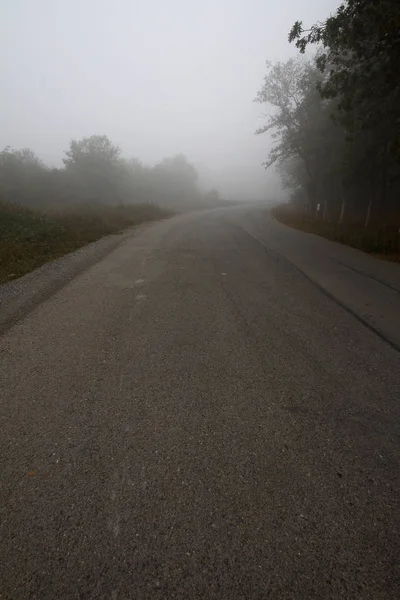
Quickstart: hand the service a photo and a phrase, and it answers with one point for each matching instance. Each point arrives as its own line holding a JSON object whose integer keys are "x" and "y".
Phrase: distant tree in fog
{"x": 22, "y": 175}
{"x": 96, "y": 150}
{"x": 95, "y": 171}
{"x": 306, "y": 139}
{"x": 177, "y": 178}
{"x": 94, "y": 168}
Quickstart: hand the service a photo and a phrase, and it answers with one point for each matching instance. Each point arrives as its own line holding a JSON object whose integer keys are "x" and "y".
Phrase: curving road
{"x": 209, "y": 408}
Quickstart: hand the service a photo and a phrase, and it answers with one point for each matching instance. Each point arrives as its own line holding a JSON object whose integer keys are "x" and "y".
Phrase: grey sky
{"x": 158, "y": 76}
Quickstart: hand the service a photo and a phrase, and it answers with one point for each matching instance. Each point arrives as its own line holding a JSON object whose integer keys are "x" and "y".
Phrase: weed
{"x": 29, "y": 238}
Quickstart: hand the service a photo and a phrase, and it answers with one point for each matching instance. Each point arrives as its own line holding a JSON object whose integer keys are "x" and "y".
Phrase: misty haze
{"x": 199, "y": 299}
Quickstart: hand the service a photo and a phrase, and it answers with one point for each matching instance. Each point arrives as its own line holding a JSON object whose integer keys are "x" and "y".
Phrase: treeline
{"x": 94, "y": 171}
{"x": 336, "y": 116}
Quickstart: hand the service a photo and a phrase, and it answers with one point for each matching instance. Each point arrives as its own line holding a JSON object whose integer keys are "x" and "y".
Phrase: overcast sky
{"x": 158, "y": 76}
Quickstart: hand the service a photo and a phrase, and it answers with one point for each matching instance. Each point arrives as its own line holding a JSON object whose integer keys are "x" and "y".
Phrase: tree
{"x": 93, "y": 165}
{"x": 94, "y": 151}
{"x": 23, "y": 175}
{"x": 282, "y": 90}
{"x": 301, "y": 126}
{"x": 360, "y": 63}
{"x": 175, "y": 178}
{"x": 95, "y": 172}
{"x": 361, "y": 43}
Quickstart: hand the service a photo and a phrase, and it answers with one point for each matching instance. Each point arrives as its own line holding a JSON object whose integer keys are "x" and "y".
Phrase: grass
{"x": 32, "y": 237}
{"x": 383, "y": 241}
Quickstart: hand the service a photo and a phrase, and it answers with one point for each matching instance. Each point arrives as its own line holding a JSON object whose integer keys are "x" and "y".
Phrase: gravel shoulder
{"x": 20, "y": 296}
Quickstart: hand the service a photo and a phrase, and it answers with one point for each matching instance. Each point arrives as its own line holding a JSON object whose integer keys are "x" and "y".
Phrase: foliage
{"x": 96, "y": 151}
{"x": 336, "y": 116}
{"x": 94, "y": 171}
{"x": 177, "y": 178}
{"x": 45, "y": 212}
{"x": 361, "y": 55}
{"x": 306, "y": 139}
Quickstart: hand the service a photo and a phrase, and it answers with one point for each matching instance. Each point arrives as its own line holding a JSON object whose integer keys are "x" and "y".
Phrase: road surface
{"x": 210, "y": 410}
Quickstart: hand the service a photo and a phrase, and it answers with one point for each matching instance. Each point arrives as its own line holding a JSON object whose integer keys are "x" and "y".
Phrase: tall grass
{"x": 382, "y": 240}
{"x": 31, "y": 237}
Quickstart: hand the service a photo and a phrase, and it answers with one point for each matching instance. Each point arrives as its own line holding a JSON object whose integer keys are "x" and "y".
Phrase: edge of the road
{"x": 20, "y": 296}
{"x": 394, "y": 343}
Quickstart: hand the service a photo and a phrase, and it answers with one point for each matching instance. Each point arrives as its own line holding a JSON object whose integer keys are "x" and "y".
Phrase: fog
{"x": 159, "y": 78}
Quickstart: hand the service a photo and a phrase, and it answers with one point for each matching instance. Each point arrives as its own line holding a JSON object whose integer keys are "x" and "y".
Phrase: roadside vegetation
{"x": 31, "y": 237}
{"x": 47, "y": 212}
{"x": 382, "y": 241}
{"x": 334, "y": 116}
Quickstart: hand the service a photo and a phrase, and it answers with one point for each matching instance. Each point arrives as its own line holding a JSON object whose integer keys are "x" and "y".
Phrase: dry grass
{"x": 29, "y": 238}
{"x": 383, "y": 241}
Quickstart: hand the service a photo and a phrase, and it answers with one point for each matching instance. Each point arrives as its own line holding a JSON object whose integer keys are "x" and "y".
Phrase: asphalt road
{"x": 211, "y": 410}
